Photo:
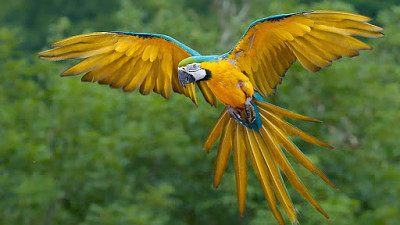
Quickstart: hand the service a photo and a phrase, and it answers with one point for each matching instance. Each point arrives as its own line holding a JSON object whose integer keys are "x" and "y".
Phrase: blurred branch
{"x": 229, "y": 16}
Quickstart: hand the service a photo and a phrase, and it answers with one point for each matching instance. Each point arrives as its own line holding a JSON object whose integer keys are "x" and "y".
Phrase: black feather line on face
{"x": 207, "y": 77}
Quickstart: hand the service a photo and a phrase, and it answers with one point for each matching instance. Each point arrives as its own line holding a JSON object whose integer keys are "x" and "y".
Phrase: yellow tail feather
{"x": 264, "y": 148}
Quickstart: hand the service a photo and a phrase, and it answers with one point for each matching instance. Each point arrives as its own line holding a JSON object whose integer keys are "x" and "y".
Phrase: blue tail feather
{"x": 257, "y": 124}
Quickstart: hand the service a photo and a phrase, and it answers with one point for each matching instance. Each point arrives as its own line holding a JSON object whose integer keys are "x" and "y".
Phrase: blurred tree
{"x": 35, "y": 16}
{"x": 365, "y": 7}
{"x": 74, "y": 153}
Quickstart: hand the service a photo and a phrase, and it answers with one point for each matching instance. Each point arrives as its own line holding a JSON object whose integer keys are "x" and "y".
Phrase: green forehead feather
{"x": 198, "y": 59}
{"x": 187, "y": 61}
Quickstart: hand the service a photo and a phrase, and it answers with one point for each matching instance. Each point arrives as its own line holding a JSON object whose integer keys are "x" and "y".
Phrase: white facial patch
{"x": 199, "y": 74}
{"x": 196, "y": 71}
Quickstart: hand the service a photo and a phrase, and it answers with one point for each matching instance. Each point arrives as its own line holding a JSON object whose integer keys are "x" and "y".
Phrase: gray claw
{"x": 235, "y": 115}
{"x": 249, "y": 110}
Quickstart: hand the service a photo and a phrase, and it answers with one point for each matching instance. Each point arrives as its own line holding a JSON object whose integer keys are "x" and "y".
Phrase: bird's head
{"x": 190, "y": 70}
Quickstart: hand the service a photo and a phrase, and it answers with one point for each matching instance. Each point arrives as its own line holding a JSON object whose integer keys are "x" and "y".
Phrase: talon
{"x": 235, "y": 115}
{"x": 249, "y": 110}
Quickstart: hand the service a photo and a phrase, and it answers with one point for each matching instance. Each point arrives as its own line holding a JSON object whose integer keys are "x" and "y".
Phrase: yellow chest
{"x": 227, "y": 83}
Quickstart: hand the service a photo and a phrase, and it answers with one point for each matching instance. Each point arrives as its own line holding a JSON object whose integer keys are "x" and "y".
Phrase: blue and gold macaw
{"x": 249, "y": 126}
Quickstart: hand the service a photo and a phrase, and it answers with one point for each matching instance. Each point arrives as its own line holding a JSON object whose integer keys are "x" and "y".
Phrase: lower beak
{"x": 185, "y": 78}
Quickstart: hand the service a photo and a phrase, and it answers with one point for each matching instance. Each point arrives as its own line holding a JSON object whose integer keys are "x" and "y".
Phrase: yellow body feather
{"x": 229, "y": 85}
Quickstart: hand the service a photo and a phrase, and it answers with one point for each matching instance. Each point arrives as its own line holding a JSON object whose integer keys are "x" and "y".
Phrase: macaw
{"x": 239, "y": 79}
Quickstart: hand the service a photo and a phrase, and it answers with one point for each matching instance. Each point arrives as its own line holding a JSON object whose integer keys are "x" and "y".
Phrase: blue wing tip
{"x": 163, "y": 36}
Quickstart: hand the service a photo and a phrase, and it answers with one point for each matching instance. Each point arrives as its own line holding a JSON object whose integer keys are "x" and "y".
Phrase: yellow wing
{"x": 315, "y": 38}
{"x": 130, "y": 61}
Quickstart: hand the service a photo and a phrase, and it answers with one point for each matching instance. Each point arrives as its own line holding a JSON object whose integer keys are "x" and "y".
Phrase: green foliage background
{"x": 79, "y": 153}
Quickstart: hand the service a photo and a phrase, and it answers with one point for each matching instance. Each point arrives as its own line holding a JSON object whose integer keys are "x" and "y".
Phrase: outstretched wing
{"x": 130, "y": 61}
{"x": 315, "y": 38}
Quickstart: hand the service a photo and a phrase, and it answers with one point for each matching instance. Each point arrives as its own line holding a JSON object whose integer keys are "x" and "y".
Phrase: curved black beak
{"x": 185, "y": 78}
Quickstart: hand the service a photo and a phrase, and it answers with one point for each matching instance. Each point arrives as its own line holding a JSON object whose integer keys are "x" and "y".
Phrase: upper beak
{"x": 185, "y": 78}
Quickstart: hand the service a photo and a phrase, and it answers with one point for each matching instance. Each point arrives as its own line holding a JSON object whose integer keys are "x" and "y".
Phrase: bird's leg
{"x": 235, "y": 115}
{"x": 249, "y": 111}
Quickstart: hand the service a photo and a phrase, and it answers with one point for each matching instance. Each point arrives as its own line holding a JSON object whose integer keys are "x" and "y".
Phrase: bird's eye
{"x": 193, "y": 67}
